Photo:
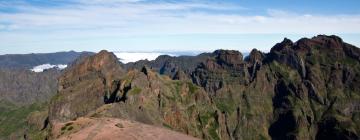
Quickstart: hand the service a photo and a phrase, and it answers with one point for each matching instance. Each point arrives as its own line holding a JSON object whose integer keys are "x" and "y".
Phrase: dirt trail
{"x": 97, "y": 130}
{"x": 118, "y": 129}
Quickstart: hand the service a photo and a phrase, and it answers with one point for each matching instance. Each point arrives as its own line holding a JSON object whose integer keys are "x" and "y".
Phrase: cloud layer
{"x": 80, "y": 20}
{"x": 43, "y": 67}
{"x": 138, "y": 17}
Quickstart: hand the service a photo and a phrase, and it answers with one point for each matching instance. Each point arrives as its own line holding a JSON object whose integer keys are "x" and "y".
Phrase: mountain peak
{"x": 89, "y": 80}
{"x": 229, "y": 57}
{"x": 286, "y": 43}
{"x": 255, "y": 55}
{"x": 104, "y": 62}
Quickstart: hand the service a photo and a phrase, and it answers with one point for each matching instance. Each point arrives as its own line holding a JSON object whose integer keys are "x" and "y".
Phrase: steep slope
{"x": 22, "y": 87}
{"x": 243, "y": 100}
{"x": 303, "y": 90}
{"x": 23, "y": 91}
{"x": 84, "y": 86}
{"x": 320, "y": 93}
{"x": 13, "y": 118}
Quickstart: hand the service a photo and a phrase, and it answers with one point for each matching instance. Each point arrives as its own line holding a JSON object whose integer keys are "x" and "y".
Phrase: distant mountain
{"x": 132, "y": 57}
{"x": 173, "y": 65}
{"x": 21, "y": 86}
{"x": 28, "y": 61}
{"x": 23, "y": 91}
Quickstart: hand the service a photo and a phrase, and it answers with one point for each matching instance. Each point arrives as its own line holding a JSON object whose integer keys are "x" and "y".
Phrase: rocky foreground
{"x": 309, "y": 89}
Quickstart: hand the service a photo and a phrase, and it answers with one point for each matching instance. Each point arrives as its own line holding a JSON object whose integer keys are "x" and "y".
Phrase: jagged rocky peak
{"x": 334, "y": 46}
{"x": 86, "y": 86}
{"x": 228, "y": 57}
{"x": 254, "y": 60}
{"x": 328, "y": 49}
{"x": 306, "y": 45}
{"x": 223, "y": 59}
{"x": 255, "y": 56}
{"x": 103, "y": 62}
{"x": 329, "y": 41}
{"x": 224, "y": 68}
{"x": 286, "y": 43}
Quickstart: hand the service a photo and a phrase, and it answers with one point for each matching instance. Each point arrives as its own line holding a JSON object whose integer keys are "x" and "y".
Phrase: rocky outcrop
{"x": 254, "y": 60}
{"x": 225, "y": 68}
{"x": 85, "y": 86}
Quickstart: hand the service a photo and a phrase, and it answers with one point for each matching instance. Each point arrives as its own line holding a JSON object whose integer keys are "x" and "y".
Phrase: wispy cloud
{"x": 98, "y": 19}
{"x": 135, "y": 16}
{"x": 112, "y": 14}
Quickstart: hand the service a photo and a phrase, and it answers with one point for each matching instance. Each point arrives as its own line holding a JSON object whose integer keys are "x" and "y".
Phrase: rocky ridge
{"x": 299, "y": 90}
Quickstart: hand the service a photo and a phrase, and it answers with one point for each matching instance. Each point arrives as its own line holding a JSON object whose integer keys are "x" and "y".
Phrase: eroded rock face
{"x": 303, "y": 90}
{"x": 84, "y": 86}
{"x": 228, "y": 57}
{"x": 225, "y": 68}
{"x": 316, "y": 89}
{"x": 255, "y": 62}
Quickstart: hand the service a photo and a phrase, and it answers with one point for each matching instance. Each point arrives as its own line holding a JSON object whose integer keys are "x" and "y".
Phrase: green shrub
{"x": 135, "y": 91}
{"x": 13, "y": 118}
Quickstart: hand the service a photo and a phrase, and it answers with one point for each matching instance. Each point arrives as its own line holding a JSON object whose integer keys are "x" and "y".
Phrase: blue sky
{"x": 32, "y": 26}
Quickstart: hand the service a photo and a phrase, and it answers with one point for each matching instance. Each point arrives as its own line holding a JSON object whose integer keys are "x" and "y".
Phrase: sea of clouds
{"x": 126, "y": 57}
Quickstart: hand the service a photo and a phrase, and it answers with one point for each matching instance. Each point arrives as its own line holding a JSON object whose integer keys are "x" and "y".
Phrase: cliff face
{"x": 304, "y": 90}
{"x": 321, "y": 96}
{"x": 23, "y": 87}
{"x": 84, "y": 86}
{"x": 225, "y": 68}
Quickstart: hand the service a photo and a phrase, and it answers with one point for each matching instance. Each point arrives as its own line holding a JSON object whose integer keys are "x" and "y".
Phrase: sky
{"x": 40, "y": 26}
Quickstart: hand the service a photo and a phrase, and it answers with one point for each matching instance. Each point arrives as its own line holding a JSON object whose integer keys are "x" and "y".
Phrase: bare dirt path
{"x": 118, "y": 129}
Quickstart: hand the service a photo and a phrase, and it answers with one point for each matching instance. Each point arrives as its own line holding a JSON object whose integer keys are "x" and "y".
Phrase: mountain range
{"x": 308, "y": 89}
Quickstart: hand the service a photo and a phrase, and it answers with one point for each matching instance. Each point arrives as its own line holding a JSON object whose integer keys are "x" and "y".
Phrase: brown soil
{"x": 113, "y": 128}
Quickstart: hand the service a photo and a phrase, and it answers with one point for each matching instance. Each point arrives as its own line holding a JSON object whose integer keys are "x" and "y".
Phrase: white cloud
{"x": 116, "y": 19}
{"x": 126, "y": 57}
{"x": 43, "y": 67}
{"x": 172, "y": 18}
